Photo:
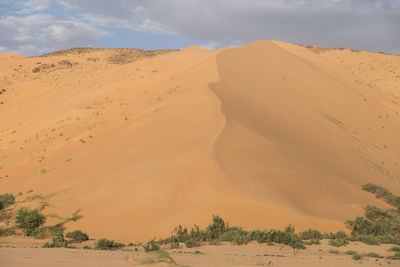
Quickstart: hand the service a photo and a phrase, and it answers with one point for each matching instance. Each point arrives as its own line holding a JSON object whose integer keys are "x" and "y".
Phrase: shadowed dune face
{"x": 265, "y": 135}
{"x": 299, "y": 135}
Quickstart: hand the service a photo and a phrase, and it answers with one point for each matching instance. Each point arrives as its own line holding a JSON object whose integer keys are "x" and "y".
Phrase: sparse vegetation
{"x": 377, "y": 226}
{"x": 105, "y": 244}
{"x": 6, "y": 200}
{"x": 29, "y": 220}
{"x": 77, "y": 235}
{"x": 161, "y": 257}
{"x": 152, "y": 245}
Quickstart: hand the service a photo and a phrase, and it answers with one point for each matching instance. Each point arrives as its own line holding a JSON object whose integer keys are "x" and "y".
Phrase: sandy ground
{"x": 211, "y": 255}
{"x": 267, "y": 134}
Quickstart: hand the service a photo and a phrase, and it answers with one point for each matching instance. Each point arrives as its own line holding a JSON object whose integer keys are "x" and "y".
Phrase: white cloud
{"x": 361, "y": 24}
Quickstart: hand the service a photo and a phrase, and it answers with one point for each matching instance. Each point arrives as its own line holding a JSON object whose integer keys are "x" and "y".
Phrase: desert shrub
{"x": 367, "y": 239}
{"x": 77, "y": 235}
{"x": 338, "y": 242}
{"x": 394, "y": 257}
{"x": 261, "y": 236}
{"x": 350, "y": 252}
{"x": 334, "y": 251}
{"x": 235, "y": 235}
{"x": 287, "y": 237}
{"x": 373, "y": 255}
{"x": 6, "y": 200}
{"x": 383, "y": 193}
{"x": 310, "y": 234}
{"x": 356, "y": 256}
{"x": 377, "y": 225}
{"x": 130, "y": 244}
{"x": 36, "y": 69}
{"x": 6, "y": 231}
{"x": 29, "y": 220}
{"x": 216, "y": 228}
{"x": 105, "y": 244}
{"x": 312, "y": 242}
{"x": 395, "y": 249}
{"x": 191, "y": 243}
{"x": 151, "y": 246}
{"x": 59, "y": 241}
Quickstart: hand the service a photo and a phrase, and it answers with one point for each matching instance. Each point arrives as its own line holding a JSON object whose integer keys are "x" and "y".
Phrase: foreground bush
{"x": 77, "y": 235}
{"x": 6, "y": 200}
{"x": 58, "y": 241}
{"x": 106, "y": 244}
{"x": 377, "y": 226}
{"x": 29, "y": 220}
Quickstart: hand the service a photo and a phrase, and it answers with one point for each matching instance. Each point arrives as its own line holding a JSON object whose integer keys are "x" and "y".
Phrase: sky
{"x": 33, "y": 27}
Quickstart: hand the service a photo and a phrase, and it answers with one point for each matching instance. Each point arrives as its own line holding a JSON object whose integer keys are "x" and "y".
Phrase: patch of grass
{"x": 334, "y": 251}
{"x": 383, "y": 193}
{"x": 74, "y": 217}
{"x": 105, "y": 244}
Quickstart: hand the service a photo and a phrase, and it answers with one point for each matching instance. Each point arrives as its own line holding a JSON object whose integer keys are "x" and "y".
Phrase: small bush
{"x": 191, "y": 243}
{"x": 338, "y": 242}
{"x": 105, "y": 244}
{"x": 310, "y": 234}
{"x": 356, "y": 256}
{"x": 395, "y": 249}
{"x": 29, "y": 220}
{"x": 130, "y": 244}
{"x": 59, "y": 241}
{"x": 350, "y": 252}
{"x": 6, "y": 231}
{"x": 373, "y": 255}
{"x": 77, "y": 235}
{"x": 334, "y": 251}
{"x": 312, "y": 242}
{"x": 151, "y": 246}
{"x": 36, "y": 69}
{"x": 6, "y": 200}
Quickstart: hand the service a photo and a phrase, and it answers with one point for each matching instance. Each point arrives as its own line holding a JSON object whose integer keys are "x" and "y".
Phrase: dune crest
{"x": 267, "y": 134}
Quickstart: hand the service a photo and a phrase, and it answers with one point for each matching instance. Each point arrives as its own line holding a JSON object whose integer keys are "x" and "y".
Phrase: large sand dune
{"x": 265, "y": 135}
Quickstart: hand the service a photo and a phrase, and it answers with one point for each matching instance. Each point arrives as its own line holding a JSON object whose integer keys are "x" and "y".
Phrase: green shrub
{"x": 130, "y": 244}
{"x": 334, "y": 251}
{"x": 235, "y": 235}
{"x": 356, "y": 256}
{"x": 373, "y": 255}
{"x": 77, "y": 235}
{"x": 312, "y": 242}
{"x": 215, "y": 229}
{"x": 191, "y": 243}
{"x": 105, "y": 244}
{"x": 310, "y": 234}
{"x": 151, "y": 246}
{"x": 381, "y": 192}
{"x": 36, "y": 69}
{"x": 29, "y": 220}
{"x": 351, "y": 252}
{"x": 6, "y": 200}
{"x": 395, "y": 249}
{"x": 6, "y": 231}
{"x": 338, "y": 242}
{"x": 59, "y": 241}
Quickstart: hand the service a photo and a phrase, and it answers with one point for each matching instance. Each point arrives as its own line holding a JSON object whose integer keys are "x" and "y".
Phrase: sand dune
{"x": 265, "y": 135}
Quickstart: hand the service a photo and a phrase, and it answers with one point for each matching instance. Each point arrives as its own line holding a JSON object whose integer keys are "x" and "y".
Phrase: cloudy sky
{"x": 32, "y": 27}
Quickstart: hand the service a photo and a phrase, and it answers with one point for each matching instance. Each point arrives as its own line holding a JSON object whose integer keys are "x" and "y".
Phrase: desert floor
{"x": 29, "y": 253}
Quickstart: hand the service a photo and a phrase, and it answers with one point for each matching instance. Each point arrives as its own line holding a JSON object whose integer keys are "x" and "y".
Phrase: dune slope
{"x": 265, "y": 135}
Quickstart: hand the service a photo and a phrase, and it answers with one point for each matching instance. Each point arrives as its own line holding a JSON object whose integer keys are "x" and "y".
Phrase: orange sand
{"x": 265, "y": 135}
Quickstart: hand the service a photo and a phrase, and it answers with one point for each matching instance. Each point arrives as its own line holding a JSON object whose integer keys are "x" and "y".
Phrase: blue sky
{"x": 32, "y": 27}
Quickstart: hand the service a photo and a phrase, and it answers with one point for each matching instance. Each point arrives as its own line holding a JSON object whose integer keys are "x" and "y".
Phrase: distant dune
{"x": 265, "y": 135}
